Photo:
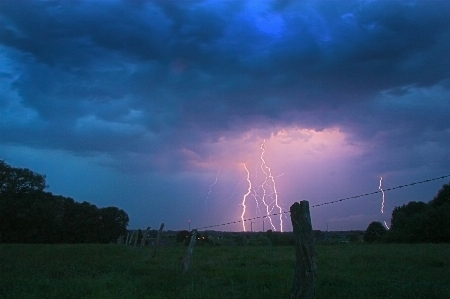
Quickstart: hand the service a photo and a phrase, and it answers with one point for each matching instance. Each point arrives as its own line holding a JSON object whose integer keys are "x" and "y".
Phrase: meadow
{"x": 118, "y": 271}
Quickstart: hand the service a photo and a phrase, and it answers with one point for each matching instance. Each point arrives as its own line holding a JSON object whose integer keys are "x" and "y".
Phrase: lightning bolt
{"x": 210, "y": 189}
{"x": 249, "y": 190}
{"x": 263, "y": 199}
{"x": 258, "y": 210}
{"x": 382, "y": 192}
{"x": 268, "y": 172}
{"x": 256, "y": 196}
{"x": 382, "y": 201}
{"x": 265, "y": 192}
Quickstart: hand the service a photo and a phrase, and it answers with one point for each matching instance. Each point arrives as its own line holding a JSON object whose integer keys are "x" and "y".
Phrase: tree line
{"x": 416, "y": 222}
{"x": 29, "y": 214}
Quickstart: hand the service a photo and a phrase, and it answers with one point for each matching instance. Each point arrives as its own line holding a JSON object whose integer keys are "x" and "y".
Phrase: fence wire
{"x": 329, "y": 202}
{"x": 379, "y": 191}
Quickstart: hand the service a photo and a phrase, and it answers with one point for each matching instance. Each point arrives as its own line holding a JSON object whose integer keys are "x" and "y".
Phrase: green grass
{"x": 111, "y": 271}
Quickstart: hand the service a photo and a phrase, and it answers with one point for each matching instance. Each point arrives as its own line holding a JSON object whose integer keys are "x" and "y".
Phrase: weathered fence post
{"x": 137, "y": 237}
{"x": 158, "y": 238}
{"x": 305, "y": 276}
{"x": 131, "y": 237}
{"x": 145, "y": 235}
{"x": 187, "y": 259}
{"x": 128, "y": 238}
{"x": 120, "y": 240}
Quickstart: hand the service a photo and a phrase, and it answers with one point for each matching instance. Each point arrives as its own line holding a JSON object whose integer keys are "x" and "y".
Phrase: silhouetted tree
{"x": 30, "y": 215}
{"x": 374, "y": 232}
{"x": 443, "y": 197}
{"x": 436, "y": 224}
{"x": 418, "y": 222}
{"x": 113, "y": 223}
{"x": 15, "y": 180}
{"x": 400, "y": 215}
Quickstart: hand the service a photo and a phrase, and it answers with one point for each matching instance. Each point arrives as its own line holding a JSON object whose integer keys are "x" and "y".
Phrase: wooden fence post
{"x": 158, "y": 238}
{"x": 305, "y": 276}
{"x": 131, "y": 237}
{"x": 145, "y": 235}
{"x": 128, "y": 238}
{"x": 187, "y": 259}
{"x": 137, "y": 237}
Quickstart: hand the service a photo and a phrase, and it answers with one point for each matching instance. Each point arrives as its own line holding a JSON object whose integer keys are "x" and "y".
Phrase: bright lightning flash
{"x": 269, "y": 177}
{"x": 382, "y": 201}
{"x": 382, "y": 192}
{"x": 268, "y": 189}
{"x": 249, "y": 190}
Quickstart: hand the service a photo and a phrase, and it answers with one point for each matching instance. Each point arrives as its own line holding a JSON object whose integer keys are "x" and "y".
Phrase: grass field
{"x": 112, "y": 271}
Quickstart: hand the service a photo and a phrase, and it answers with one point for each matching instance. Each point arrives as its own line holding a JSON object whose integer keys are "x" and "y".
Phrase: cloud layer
{"x": 156, "y": 87}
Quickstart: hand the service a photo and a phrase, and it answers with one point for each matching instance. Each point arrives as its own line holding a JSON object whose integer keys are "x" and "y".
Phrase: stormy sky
{"x": 171, "y": 109}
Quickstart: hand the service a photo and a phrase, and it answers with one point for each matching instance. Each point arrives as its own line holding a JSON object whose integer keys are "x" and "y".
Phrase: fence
{"x": 305, "y": 277}
{"x": 329, "y": 202}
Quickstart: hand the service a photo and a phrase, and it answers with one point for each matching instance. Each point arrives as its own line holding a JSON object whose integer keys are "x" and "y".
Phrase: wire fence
{"x": 328, "y": 203}
{"x": 384, "y": 190}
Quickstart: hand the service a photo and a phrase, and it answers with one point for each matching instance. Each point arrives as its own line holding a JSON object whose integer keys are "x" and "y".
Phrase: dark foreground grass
{"x": 111, "y": 271}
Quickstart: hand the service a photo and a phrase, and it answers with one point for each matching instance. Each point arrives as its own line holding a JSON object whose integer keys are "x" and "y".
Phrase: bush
{"x": 374, "y": 232}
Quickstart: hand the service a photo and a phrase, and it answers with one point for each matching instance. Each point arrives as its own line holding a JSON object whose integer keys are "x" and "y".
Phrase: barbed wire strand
{"x": 330, "y": 202}
{"x": 379, "y": 191}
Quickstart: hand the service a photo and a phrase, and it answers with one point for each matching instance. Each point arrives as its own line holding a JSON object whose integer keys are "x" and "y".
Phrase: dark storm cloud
{"x": 129, "y": 78}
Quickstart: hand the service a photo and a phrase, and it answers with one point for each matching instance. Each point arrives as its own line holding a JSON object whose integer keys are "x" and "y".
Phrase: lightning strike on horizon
{"x": 268, "y": 172}
{"x": 249, "y": 190}
{"x": 265, "y": 192}
{"x": 210, "y": 189}
{"x": 256, "y": 196}
{"x": 382, "y": 201}
{"x": 263, "y": 198}
{"x": 258, "y": 210}
{"x": 382, "y": 192}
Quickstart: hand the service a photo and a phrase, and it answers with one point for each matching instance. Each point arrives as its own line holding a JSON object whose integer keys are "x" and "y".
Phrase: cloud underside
{"x": 164, "y": 82}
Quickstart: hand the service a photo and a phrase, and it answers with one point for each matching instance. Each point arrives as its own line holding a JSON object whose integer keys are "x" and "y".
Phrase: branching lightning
{"x": 210, "y": 189}
{"x": 263, "y": 188}
{"x": 382, "y": 201}
{"x": 256, "y": 196}
{"x": 275, "y": 192}
{"x": 265, "y": 191}
{"x": 269, "y": 177}
{"x": 249, "y": 190}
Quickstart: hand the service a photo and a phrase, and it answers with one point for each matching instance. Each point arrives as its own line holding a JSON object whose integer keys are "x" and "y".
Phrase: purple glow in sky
{"x": 139, "y": 104}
